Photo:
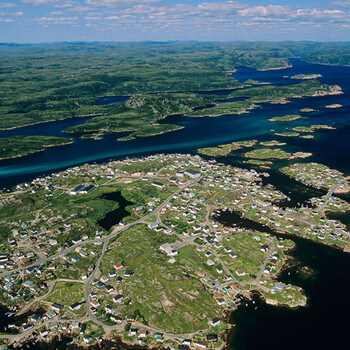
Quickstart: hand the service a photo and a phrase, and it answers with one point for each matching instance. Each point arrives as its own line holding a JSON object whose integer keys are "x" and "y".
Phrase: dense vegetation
{"x": 51, "y": 82}
{"x": 40, "y": 83}
{"x": 141, "y": 112}
{"x": 18, "y": 146}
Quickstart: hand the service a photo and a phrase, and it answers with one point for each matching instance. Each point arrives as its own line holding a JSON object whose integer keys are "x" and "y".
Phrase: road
{"x": 328, "y": 196}
{"x": 95, "y": 273}
{"x": 116, "y": 231}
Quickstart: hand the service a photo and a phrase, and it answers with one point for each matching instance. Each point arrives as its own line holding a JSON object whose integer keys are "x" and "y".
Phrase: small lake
{"x": 115, "y": 216}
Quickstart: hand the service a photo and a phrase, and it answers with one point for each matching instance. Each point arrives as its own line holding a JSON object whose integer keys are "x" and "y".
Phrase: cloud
{"x": 168, "y": 17}
{"x": 8, "y": 5}
{"x": 45, "y": 21}
{"x": 343, "y": 4}
{"x": 6, "y": 20}
{"x": 119, "y": 3}
{"x": 54, "y": 3}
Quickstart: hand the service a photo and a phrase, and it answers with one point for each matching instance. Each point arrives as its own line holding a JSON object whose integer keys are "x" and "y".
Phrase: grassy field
{"x": 67, "y": 293}
{"x": 158, "y": 291}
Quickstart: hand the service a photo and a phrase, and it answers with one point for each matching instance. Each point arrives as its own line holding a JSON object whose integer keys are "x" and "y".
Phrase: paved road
{"x": 328, "y": 196}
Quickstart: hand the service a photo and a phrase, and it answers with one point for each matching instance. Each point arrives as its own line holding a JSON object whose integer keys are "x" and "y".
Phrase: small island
{"x": 287, "y": 134}
{"x": 285, "y": 118}
{"x": 334, "y": 106}
{"x": 312, "y": 128}
{"x": 20, "y": 146}
{"x": 307, "y": 110}
{"x": 319, "y": 176}
{"x": 272, "y": 143}
{"x": 306, "y": 76}
{"x": 274, "y": 153}
{"x": 307, "y": 137}
{"x": 225, "y": 149}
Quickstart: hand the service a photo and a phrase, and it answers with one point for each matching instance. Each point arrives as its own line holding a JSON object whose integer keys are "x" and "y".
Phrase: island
{"x": 306, "y": 76}
{"x": 226, "y": 149}
{"x": 20, "y": 146}
{"x": 285, "y": 118}
{"x": 272, "y": 143}
{"x": 287, "y": 134}
{"x": 334, "y": 106}
{"x": 312, "y": 128}
{"x": 274, "y": 153}
{"x": 318, "y": 176}
{"x": 307, "y": 110}
{"x": 167, "y": 271}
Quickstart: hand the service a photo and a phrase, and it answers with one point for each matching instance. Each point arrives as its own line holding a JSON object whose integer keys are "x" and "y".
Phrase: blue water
{"x": 330, "y": 147}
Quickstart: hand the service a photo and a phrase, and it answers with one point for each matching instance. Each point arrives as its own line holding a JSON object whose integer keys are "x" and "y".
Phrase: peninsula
{"x": 167, "y": 272}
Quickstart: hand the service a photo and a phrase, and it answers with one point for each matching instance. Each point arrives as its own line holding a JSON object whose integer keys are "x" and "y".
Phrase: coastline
{"x": 37, "y": 151}
{"x": 51, "y": 121}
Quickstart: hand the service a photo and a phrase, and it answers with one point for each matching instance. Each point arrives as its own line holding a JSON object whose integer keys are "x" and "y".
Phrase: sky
{"x": 35, "y": 21}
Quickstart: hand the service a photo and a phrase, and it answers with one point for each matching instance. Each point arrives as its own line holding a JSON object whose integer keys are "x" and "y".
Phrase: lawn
{"x": 67, "y": 293}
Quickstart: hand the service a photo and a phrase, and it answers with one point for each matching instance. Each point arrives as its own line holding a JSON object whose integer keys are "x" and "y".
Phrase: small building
{"x": 212, "y": 338}
{"x": 183, "y": 347}
{"x": 142, "y": 334}
{"x": 168, "y": 249}
{"x": 83, "y": 328}
{"x": 35, "y": 318}
{"x": 109, "y": 309}
{"x": 77, "y": 190}
{"x": 130, "y": 318}
{"x": 57, "y": 307}
{"x": 192, "y": 174}
{"x": 8, "y": 286}
{"x": 173, "y": 180}
{"x": 89, "y": 188}
{"x": 118, "y": 298}
{"x": 159, "y": 185}
{"x": 95, "y": 304}
{"x": 116, "y": 319}
{"x": 215, "y": 322}
{"x": 128, "y": 273}
{"x": 118, "y": 266}
{"x": 75, "y": 306}
{"x": 199, "y": 345}
{"x": 153, "y": 225}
